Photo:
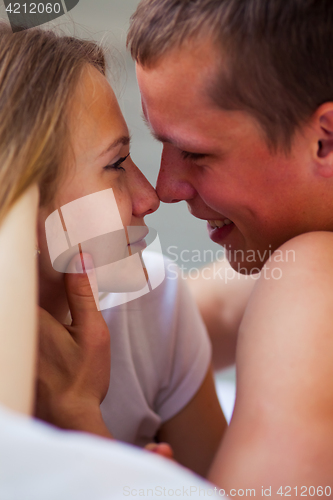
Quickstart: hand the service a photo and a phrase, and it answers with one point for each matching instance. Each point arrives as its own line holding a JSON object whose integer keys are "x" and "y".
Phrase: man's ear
{"x": 324, "y": 139}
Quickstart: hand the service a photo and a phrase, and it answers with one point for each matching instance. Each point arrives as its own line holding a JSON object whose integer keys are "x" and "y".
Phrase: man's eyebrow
{"x": 124, "y": 140}
{"x": 143, "y": 116}
{"x": 170, "y": 140}
{"x": 181, "y": 145}
{"x": 158, "y": 137}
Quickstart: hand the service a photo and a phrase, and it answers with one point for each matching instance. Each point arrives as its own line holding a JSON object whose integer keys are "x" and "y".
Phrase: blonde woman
{"x": 38, "y": 462}
{"x": 63, "y": 128}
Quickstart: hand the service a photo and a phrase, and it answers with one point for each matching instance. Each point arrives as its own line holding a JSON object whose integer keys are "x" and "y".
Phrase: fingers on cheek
{"x": 97, "y": 336}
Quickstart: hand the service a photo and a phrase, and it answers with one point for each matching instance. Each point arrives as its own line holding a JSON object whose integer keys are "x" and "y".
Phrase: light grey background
{"x": 108, "y": 21}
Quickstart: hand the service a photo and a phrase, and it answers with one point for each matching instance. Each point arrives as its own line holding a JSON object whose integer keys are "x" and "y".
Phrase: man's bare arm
{"x": 195, "y": 432}
{"x": 281, "y": 433}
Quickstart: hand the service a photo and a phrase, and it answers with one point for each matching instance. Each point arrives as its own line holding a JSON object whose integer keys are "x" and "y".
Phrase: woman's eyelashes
{"x": 117, "y": 164}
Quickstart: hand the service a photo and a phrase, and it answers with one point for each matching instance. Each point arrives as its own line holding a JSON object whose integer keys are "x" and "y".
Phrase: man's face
{"x": 219, "y": 163}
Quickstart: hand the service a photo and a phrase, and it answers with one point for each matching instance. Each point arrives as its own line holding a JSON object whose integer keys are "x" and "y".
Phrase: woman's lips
{"x": 136, "y": 238}
{"x": 138, "y": 246}
{"x": 218, "y": 234}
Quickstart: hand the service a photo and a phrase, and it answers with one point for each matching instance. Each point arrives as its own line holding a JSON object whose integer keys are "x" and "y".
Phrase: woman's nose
{"x": 144, "y": 198}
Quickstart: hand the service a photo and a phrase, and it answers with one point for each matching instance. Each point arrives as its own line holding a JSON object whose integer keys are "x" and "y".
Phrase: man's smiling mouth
{"x": 219, "y": 223}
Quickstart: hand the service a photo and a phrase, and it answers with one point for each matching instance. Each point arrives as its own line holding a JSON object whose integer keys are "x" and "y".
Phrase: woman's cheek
{"x": 124, "y": 205}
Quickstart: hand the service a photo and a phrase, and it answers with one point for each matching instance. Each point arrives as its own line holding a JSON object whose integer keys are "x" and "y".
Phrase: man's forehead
{"x": 164, "y": 130}
{"x": 213, "y": 133}
{"x": 191, "y": 127}
{"x": 188, "y": 69}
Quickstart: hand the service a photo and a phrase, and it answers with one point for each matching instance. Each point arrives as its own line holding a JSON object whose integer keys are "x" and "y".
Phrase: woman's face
{"x": 100, "y": 141}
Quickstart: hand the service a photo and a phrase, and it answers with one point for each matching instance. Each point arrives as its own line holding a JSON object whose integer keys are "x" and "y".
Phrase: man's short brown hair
{"x": 276, "y": 55}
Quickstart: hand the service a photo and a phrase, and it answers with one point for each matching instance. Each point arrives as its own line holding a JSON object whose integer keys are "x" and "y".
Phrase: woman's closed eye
{"x": 117, "y": 164}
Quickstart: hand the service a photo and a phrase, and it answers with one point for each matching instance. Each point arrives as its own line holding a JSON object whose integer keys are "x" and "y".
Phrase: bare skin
{"x": 187, "y": 433}
{"x": 222, "y": 296}
{"x": 97, "y": 122}
{"x": 67, "y": 395}
{"x": 281, "y": 431}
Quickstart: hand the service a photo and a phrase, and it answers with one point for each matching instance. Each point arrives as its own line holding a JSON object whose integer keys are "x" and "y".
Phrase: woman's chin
{"x": 124, "y": 276}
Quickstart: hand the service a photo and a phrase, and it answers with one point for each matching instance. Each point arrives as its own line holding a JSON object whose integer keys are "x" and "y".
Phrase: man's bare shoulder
{"x": 295, "y": 286}
{"x": 287, "y": 334}
{"x": 308, "y": 252}
{"x": 285, "y": 361}
{"x": 302, "y": 265}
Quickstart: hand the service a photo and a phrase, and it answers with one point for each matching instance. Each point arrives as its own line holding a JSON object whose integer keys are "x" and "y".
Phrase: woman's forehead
{"x": 96, "y": 117}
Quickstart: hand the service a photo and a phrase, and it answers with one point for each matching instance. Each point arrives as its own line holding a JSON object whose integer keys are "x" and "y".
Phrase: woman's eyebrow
{"x": 124, "y": 141}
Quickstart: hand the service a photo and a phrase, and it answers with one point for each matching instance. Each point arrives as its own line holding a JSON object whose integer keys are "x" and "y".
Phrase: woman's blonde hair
{"x": 39, "y": 72}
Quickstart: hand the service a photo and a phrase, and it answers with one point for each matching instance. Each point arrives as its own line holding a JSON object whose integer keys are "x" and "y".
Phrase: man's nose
{"x": 144, "y": 198}
{"x": 173, "y": 183}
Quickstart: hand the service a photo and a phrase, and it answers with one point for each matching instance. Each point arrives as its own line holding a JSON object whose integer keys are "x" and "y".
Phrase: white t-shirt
{"x": 38, "y": 462}
{"x": 160, "y": 354}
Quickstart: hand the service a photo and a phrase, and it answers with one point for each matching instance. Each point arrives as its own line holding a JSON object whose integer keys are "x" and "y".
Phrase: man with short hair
{"x": 240, "y": 93}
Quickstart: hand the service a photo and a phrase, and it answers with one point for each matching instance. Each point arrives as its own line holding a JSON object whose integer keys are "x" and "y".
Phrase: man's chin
{"x": 246, "y": 268}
